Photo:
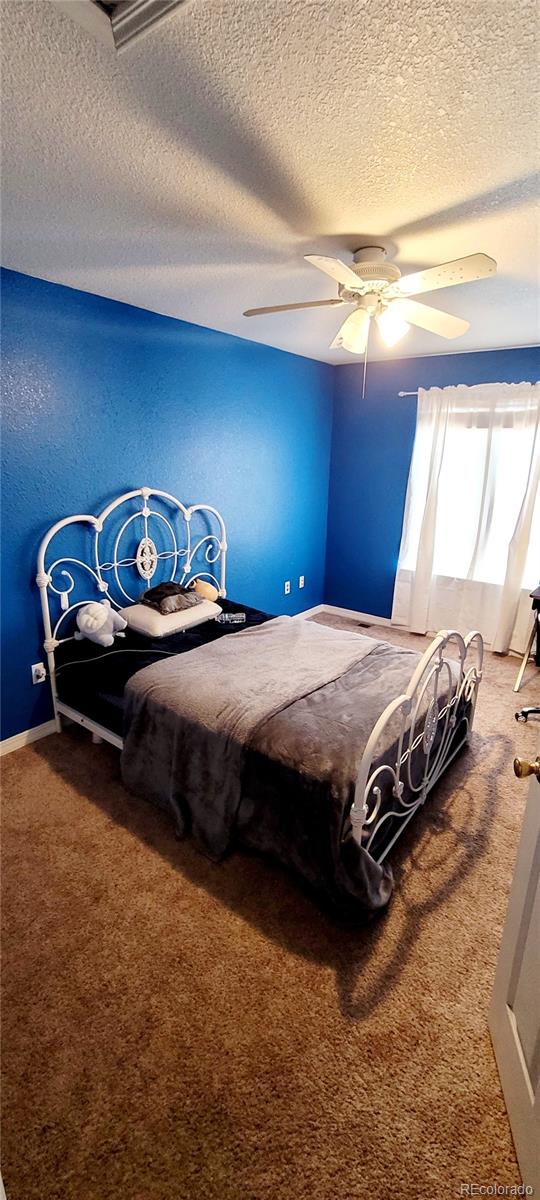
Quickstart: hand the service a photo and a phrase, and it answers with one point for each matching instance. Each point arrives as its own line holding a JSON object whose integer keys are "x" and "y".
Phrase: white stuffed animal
{"x": 99, "y": 623}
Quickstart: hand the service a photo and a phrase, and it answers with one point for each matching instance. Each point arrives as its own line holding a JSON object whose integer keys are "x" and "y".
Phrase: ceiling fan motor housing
{"x": 378, "y": 272}
{"x": 374, "y": 274}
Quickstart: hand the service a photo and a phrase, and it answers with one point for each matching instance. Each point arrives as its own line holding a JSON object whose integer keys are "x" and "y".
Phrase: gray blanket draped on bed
{"x": 204, "y": 731}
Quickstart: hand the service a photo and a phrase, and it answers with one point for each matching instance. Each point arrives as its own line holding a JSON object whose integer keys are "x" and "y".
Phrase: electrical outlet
{"x": 287, "y": 587}
{"x": 39, "y": 674}
{"x": 300, "y": 581}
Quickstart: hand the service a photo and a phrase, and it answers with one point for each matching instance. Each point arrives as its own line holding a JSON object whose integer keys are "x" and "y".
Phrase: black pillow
{"x": 170, "y": 598}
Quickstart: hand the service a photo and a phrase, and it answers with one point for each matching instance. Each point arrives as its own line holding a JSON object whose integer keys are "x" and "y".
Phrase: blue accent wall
{"x": 372, "y": 445}
{"x": 100, "y": 397}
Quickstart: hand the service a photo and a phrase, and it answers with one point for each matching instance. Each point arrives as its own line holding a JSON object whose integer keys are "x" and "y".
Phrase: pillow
{"x": 143, "y": 619}
{"x": 170, "y": 598}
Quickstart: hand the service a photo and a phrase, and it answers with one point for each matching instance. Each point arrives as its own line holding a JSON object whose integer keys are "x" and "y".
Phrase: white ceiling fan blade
{"x": 257, "y": 312}
{"x": 353, "y": 334}
{"x": 461, "y": 270}
{"x": 432, "y": 319}
{"x": 335, "y": 268}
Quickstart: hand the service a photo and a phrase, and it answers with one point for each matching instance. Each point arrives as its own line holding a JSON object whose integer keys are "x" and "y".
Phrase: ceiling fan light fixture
{"x": 353, "y": 334}
{"x": 392, "y": 326}
{"x": 353, "y": 345}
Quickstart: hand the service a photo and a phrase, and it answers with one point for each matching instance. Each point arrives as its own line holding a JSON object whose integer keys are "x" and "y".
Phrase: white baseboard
{"x": 310, "y": 612}
{"x": 26, "y": 737}
{"x": 368, "y": 618}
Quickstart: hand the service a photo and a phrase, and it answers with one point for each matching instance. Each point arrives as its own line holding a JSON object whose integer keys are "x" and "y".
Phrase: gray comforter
{"x": 258, "y": 738}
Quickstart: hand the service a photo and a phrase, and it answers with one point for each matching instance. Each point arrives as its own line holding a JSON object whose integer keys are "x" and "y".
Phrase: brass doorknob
{"x": 524, "y": 767}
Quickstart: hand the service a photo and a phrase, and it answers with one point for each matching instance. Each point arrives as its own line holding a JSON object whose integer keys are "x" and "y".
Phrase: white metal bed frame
{"x": 142, "y": 560}
{"x": 434, "y": 715}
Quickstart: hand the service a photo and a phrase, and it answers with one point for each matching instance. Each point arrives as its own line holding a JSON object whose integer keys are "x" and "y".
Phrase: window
{"x": 461, "y": 484}
{"x": 470, "y": 550}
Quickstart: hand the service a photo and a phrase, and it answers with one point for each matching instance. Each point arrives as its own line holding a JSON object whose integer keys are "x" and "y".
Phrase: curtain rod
{"x": 407, "y": 393}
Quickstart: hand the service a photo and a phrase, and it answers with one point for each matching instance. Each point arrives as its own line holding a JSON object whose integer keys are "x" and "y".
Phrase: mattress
{"x": 92, "y": 679}
{"x": 257, "y": 743}
{"x": 297, "y": 775}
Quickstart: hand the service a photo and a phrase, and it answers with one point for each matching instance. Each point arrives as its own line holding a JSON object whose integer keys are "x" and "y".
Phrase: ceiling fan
{"x": 379, "y": 293}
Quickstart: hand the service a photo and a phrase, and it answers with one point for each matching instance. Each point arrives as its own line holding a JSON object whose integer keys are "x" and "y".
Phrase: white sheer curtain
{"x": 470, "y": 550}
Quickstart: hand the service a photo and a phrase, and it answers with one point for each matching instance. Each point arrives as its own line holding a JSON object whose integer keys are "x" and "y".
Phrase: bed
{"x": 311, "y": 745}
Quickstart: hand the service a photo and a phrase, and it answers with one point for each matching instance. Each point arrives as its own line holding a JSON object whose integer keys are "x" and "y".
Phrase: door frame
{"x": 523, "y": 1105}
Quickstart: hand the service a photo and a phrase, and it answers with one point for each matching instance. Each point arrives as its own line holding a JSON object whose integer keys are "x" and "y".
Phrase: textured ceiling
{"x": 190, "y": 174}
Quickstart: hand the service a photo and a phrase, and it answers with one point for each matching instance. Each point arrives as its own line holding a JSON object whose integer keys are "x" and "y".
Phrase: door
{"x": 514, "y": 1015}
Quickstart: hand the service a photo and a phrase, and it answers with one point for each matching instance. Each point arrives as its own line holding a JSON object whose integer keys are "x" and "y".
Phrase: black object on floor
{"x": 525, "y": 713}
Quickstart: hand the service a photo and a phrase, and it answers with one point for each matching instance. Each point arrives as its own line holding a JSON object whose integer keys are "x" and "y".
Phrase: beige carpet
{"x": 174, "y": 1030}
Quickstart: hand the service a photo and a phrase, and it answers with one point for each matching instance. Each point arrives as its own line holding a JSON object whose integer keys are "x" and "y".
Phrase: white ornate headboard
{"x": 141, "y": 536}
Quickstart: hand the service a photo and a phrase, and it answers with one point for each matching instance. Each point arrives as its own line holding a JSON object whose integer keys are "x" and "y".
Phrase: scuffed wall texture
{"x": 100, "y": 397}
{"x": 371, "y": 452}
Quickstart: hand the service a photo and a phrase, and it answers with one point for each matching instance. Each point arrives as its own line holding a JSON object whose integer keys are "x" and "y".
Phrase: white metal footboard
{"x": 429, "y": 723}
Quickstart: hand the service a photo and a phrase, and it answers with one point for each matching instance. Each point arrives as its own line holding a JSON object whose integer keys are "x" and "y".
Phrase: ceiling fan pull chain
{"x": 365, "y": 363}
